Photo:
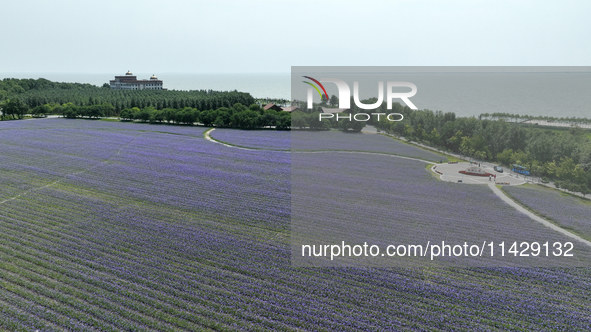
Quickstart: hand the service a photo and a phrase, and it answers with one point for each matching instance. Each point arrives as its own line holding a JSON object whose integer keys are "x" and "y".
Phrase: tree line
{"x": 561, "y": 156}
{"x": 237, "y": 116}
{"x": 40, "y": 97}
{"x": 38, "y": 92}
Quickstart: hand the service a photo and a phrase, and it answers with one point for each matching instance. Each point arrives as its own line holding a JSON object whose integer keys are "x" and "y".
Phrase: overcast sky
{"x": 73, "y": 36}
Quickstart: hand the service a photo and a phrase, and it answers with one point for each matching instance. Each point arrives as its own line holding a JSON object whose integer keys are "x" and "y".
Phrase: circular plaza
{"x": 466, "y": 172}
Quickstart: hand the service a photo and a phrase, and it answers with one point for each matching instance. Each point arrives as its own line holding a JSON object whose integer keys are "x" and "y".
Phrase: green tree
{"x": 299, "y": 120}
{"x": 145, "y": 114}
{"x": 14, "y": 108}
{"x": 434, "y": 137}
{"x": 69, "y": 110}
{"x": 157, "y": 116}
{"x": 41, "y": 111}
{"x": 466, "y": 146}
{"x": 334, "y": 101}
{"x": 95, "y": 111}
{"x": 269, "y": 118}
{"x": 566, "y": 170}
{"x": 126, "y": 114}
{"x": 505, "y": 157}
{"x": 455, "y": 141}
{"x": 219, "y": 122}
{"x": 283, "y": 121}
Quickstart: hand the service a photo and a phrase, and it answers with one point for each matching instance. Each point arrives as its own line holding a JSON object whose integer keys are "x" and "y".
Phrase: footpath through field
{"x": 492, "y": 185}
{"x": 209, "y": 138}
{"x": 546, "y": 223}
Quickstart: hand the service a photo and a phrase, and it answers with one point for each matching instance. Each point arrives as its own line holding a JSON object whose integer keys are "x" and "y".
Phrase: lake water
{"x": 467, "y": 94}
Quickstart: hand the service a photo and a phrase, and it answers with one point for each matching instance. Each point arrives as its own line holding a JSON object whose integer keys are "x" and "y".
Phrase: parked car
{"x": 498, "y": 169}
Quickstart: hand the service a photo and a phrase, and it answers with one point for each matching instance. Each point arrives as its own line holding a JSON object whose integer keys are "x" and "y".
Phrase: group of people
{"x": 490, "y": 177}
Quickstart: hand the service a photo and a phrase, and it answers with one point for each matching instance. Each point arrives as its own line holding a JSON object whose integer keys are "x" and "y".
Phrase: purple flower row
{"x": 568, "y": 211}
{"x": 141, "y": 229}
{"x": 260, "y": 139}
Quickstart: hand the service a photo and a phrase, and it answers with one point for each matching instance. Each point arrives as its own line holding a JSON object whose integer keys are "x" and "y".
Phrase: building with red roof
{"x": 130, "y": 82}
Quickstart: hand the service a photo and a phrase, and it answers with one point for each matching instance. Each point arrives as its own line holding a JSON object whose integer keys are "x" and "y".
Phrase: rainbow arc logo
{"x": 315, "y": 87}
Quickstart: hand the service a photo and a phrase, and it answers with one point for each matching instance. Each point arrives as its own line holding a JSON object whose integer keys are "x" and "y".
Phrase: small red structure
{"x": 272, "y": 107}
{"x": 477, "y": 171}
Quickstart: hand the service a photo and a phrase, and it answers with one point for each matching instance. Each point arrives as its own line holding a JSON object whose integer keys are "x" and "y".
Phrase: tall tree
{"x": 15, "y": 108}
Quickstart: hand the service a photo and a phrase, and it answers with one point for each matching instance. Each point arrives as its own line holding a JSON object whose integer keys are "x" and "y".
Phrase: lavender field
{"x": 351, "y": 203}
{"x": 569, "y": 212}
{"x": 110, "y": 226}
{"x": 333, "y": 140}
{"x": 256, "y": 139}
{"x": 340, "y": 141}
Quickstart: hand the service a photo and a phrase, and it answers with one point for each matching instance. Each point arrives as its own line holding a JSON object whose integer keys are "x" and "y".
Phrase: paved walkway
{"x": 544, "y": 222}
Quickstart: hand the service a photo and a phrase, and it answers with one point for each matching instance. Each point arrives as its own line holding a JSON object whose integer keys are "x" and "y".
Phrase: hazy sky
{"x": 90, "y": 36}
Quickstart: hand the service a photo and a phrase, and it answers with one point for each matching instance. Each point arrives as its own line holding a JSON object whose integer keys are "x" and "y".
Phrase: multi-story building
{"x": 130, "y": 82}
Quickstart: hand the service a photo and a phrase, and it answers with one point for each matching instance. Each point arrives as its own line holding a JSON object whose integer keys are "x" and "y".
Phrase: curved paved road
{"x": 544, "y": 222}
{"x": 492, "y": 186}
